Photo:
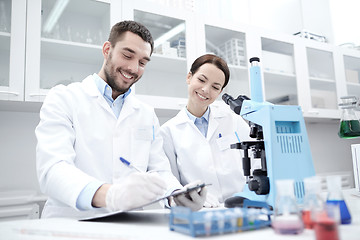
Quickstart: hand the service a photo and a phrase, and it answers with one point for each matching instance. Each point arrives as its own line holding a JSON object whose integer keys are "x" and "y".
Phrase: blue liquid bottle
{"x": 335, "y": 197}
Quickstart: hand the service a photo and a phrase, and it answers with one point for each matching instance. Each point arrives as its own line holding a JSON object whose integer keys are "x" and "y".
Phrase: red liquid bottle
{"x": 326, "y": 228}
{"x": 312, "y": 201}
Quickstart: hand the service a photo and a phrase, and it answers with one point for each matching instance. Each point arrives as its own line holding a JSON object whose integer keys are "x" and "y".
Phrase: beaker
{"x": 335, "y": 197}
{"x": 287, "y": 218}
{"x": 349, "y": 122}
{"x": 313, "y": 203}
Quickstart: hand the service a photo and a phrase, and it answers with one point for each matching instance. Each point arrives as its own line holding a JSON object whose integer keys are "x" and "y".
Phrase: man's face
{"x": 125, "y": 62}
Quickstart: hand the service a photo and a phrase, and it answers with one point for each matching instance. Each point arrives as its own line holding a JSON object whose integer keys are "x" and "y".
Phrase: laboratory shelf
{"x": 167, "y": 64}
{"x": 322, "y": 84}
{"x": 71, "y": 51}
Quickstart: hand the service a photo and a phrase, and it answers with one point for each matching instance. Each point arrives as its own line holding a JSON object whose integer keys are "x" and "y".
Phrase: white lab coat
{"x": 80, "y": 140}
{"x": 210, "y": 159}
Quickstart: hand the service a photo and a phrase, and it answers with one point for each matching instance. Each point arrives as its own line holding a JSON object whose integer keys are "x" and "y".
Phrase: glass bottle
{"x": 349, "y": 123}
{"x": 287, "y": 218}
{"x": 335, "y": 197}
{"x": 313, "y": 203}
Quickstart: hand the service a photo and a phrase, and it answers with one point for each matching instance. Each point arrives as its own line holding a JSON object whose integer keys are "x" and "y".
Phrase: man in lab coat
{"x": 86, "y": 127}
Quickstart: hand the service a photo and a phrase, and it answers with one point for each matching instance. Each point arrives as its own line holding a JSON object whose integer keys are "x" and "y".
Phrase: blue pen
{"x": 237, "y": 136}
{"x": 127, "y": 163}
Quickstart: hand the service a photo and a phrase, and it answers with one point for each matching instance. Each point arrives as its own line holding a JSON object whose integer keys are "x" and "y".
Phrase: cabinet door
{"x": 280, "y": 85}
{"x": 12, "y": 49}
{"x": 163, "y": 84}
{"x": 228, "y": 41}
{"x": 231, "y": 46}
{"x": 352, "y": 73}
{"x": 323, "y": 83}
{"x": 64, "y": 43}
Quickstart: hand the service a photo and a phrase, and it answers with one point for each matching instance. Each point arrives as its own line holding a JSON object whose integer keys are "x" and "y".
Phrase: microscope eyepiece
{"x": 254, "y": 59}
{"x": 226, "y": 97}
{"x": 235, "y": 104}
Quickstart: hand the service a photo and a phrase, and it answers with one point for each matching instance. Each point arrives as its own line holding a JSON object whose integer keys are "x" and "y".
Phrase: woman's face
{"x": 205, "y": 85}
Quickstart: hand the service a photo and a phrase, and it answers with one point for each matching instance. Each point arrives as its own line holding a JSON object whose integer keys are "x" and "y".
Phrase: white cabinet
{"x": 228, "y": 41}
{"x": 67, "y": 48}
{"x": 322, "y": 89}
{"x": 351, "y": 62}
{"x": 12, "y": 49}
{"x": 64, "y": 42}
{"x": 278, "y": 65}
{"x": 163, "y": 84}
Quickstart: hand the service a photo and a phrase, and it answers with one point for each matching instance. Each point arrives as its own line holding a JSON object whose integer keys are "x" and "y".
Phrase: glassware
{"x": 349, "y": 123}
{"x": 287, "y": 219}
{"x": 326, "y": 223}
{"x": 335, "y": 197}
{"x": 313, "y": 203}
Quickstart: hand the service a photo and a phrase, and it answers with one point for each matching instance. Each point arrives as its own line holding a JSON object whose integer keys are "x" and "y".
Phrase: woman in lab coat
{"x": 197, "y": 140}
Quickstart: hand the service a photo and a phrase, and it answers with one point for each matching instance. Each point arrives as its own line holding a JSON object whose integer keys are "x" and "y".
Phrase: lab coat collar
{"x": 215, "y": 114}
{"x": 130, "y": 102}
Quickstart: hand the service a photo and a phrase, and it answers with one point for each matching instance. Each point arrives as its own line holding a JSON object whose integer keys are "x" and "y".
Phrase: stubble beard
{"x": 111, "y": 78}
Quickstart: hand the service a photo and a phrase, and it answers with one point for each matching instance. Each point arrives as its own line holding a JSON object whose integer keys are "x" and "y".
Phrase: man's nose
{"x": 133, "y": 66}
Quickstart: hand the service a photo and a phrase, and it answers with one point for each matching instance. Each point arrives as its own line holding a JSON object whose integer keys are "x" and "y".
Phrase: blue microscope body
{"x": 281, "y": 142}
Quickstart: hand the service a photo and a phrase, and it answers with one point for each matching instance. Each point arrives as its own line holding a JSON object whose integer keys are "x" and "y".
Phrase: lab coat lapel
{"x": 130, "y": 105}
{"x": 183, "y": 118}
{"x": 215, "y": 114}
{"x": 91, "y": 89}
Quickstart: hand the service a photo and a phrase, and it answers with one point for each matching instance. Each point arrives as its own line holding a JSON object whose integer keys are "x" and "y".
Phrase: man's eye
{"x": 126, "y": 56}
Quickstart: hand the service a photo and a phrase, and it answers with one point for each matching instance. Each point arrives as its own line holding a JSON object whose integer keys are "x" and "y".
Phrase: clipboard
{"x": 175, "y": 193}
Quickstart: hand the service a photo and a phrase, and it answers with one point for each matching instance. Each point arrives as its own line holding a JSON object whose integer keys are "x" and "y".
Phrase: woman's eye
{"x": 216, "y": 88}
{"x": 201, "y": 80}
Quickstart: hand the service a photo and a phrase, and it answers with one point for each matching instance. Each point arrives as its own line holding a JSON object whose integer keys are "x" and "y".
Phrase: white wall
{"x": 17, "y": 150}
{"x": 330, "y": 153}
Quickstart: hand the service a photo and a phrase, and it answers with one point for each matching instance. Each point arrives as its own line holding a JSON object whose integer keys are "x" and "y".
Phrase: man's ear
{"x": 106, "y": 49}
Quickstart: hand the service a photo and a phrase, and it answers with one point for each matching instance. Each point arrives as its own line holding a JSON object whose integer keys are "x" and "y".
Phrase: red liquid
{"x": 326, "y": 229}
{"x": 308, "y": 222}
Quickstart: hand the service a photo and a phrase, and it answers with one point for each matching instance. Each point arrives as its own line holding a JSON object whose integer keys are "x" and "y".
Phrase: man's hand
{"x": 135, "y": 191}
{"x": 194, "y": 199}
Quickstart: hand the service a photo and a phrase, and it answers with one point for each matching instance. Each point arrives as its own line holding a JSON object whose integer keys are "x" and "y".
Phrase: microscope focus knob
{"x": 253, "y": 185}
{"x": 260, "y": 185}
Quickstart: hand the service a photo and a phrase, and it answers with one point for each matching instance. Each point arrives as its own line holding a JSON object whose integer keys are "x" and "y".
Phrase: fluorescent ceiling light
{"x": 166, "y": 36}
{"x": 55, "y": 14}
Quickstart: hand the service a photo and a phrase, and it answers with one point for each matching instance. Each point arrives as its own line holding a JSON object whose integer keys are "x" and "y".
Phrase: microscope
{"x": 280, "y": 143}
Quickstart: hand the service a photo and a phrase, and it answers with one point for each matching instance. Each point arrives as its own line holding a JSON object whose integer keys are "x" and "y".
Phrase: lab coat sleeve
{"x": 169, "y": 149}
{"x": 58, "y": 176}
{"x": 159, "y": 161}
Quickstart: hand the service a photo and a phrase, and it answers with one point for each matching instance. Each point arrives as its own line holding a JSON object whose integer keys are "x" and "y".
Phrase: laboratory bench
{"x": 153, "y": 224}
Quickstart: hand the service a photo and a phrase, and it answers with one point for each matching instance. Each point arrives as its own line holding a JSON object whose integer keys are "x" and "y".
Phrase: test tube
{"x": 207, "y": 223}
{"x": 220, "y": 222}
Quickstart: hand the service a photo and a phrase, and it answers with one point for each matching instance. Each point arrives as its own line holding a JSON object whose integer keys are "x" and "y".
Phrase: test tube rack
{"x": 253, "y": 215}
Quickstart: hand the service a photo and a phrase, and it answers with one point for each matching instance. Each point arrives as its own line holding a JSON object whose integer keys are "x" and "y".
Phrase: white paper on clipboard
{"x": 173, "y": 194}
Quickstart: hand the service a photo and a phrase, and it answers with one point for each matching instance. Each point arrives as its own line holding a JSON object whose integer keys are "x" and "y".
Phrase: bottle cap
{"x": 285, "y": 187}
{"x": 312, "y": 185}
{"x": 333, "y": 183}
